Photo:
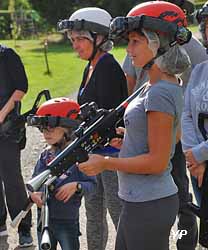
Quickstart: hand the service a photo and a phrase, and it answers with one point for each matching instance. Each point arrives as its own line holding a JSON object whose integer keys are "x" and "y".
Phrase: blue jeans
{"x": 64, "y": 232}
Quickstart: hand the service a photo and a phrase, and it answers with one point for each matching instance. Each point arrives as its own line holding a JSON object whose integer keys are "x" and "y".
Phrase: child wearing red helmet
{"x": 56, "y": 119}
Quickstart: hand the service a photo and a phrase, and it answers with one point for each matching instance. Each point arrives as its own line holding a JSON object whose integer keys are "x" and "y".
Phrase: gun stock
{"x": 16, "y": 221}
{"x": 16, "y": 120}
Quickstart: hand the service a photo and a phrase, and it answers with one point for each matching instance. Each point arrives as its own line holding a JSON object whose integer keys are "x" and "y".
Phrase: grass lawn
{"x": 65, "y": 66}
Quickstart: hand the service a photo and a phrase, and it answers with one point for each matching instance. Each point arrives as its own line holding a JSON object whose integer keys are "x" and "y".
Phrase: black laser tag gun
{"x": 15, "y": 120}
{"x": 97, "y": 129}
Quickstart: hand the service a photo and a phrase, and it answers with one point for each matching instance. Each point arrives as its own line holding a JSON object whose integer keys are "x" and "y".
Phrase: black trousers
{"x": 187, "y": 220}
{"x": 146, "y": 225}
{"x": 13, "y": 194}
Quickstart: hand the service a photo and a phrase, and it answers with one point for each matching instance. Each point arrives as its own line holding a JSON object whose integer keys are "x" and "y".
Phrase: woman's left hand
{"x": 198, "y": 172}
{"x": 66, "y": 191}
{"x": 190, "y": 159}
{"x": 93, "y": 166}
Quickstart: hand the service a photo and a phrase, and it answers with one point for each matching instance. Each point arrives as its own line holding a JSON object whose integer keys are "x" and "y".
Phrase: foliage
{"x": 53, "y": 10}
{"x": 5, "y": 26}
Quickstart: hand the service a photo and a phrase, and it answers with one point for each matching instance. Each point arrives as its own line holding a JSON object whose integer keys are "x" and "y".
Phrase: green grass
{"x": 66, "y": 68}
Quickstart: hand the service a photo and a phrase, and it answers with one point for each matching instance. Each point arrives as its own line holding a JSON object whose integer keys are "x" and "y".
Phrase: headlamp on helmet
{"x": 201, "y": 16}
{"x": 81, "y": 25}
{"x": 202, "y": 13}
{"x": 121, "y": 26}
{"x": 163, "y": 18}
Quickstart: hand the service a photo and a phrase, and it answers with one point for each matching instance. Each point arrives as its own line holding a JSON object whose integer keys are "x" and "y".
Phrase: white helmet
{"x": 91, "y": 19}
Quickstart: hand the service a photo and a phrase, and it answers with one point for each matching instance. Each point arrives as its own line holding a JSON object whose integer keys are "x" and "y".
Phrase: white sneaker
{"x": 3, "y": 231}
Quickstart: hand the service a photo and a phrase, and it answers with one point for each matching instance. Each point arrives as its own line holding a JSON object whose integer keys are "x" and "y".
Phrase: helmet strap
{"x": 95, "y": 45}
{"x": 61, "y": 144}
{"x": 64, "y": 140}
{"x": 161, "y": 51}
{"x": 95, "y": 48}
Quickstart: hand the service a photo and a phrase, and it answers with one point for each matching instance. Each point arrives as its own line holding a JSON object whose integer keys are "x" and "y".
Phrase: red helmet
{"x": 156, "y": 16}
{"x": 61, "y": 106}
{"x": 160, "y": 9}
{"x": 57, "y": 112}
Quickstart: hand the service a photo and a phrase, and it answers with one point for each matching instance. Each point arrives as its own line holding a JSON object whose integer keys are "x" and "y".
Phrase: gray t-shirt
{"x": 163, "y": 97}
{"x": 196, "y": 101}
{"x": 194, "y": 49}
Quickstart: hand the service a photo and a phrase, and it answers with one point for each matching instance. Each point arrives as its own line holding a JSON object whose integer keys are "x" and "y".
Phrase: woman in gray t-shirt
{"x": 149, "y": 194}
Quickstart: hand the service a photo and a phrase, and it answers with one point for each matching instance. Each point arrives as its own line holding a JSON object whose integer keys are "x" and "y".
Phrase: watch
{"x": 79, "y": 188}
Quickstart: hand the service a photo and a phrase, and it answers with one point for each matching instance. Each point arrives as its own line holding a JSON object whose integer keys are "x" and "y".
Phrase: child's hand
{"x": 117, "y": 142}
{"x": 66, "y": 191}
{"x": 36, "y": 197}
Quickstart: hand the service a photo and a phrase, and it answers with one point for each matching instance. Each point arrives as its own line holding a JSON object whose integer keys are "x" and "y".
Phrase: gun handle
{"x": 17, "y": 108}
{"x": 16, "y": 221}
{"x": 45, "y": 241}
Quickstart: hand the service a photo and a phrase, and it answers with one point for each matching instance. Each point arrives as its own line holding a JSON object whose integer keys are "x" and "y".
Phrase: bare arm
{"x": 16, "y": 96}
{"x": 153, "y": 162}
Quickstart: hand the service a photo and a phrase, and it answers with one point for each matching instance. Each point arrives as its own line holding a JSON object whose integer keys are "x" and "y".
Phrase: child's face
{"x": 53, "y": 135}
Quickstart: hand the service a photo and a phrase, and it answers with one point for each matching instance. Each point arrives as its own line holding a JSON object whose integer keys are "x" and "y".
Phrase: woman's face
{"x": 53, "y": 135}
{"x": 138, "y": 49}
{"x": 82, "y": 45}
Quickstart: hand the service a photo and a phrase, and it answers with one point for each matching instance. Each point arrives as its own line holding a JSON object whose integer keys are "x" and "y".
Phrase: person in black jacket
{"x": 104, "y": 83}
{"x": 13, "y": 86}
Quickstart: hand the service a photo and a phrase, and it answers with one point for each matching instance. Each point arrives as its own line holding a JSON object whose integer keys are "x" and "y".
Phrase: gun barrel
{"x": 34, "y": 184}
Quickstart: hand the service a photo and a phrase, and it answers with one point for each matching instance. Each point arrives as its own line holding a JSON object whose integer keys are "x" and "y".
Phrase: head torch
{"x": 79, "y": 25}
{"x": 43, "y": 122}
{"x": 202, "y": 14}
{"x": 121, "y": 26}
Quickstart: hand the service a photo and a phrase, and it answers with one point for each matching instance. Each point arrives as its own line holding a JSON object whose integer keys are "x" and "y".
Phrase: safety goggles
{"x": 121, "y": 26}
{"x": 67, "y": 25}
{"x": 49, "y": 122}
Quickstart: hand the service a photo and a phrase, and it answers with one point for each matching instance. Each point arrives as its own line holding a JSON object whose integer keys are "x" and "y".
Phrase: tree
{"x": 53, "y": 10}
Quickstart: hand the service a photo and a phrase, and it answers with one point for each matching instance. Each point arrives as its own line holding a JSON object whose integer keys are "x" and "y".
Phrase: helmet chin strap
{"x": 61, "y": 144}
{"x": 95, "y": 46}
{"x": 161, "y": 51}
